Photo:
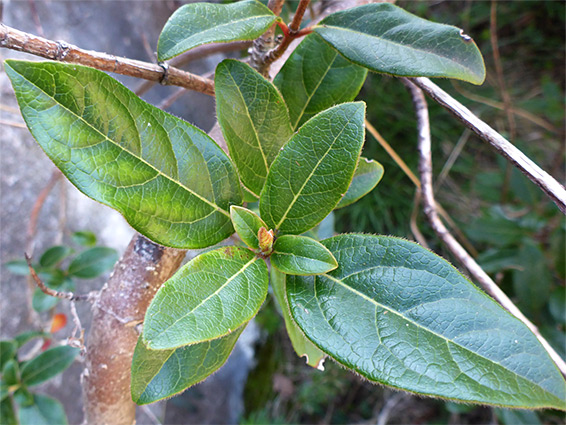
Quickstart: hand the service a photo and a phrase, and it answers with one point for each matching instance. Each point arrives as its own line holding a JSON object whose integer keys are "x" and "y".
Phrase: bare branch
{"x": 90, "y": 297}
{"x": 541, "y": 178}
{"x": 430, "y": 209}
{"x": 14, "y": 39}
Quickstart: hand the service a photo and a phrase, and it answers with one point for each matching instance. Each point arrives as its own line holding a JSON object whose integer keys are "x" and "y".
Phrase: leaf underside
{"x": 314, "y": 169}
{"x": 367, "y": 176}
{"x": 419, "y": 325}
{"x": 316, "y": 77}
{"x": 209, "y": 297}
{"x": 386, "y": 38}
{"x": 169, "y": 179}
{"x": 200, "y": 23}
{"x": 164, "y": 373}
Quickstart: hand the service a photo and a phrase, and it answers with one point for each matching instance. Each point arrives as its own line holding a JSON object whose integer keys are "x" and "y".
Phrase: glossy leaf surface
{"x": 209, "y": 297}
{"x": 254, "y": 120}
{"x": 419, "y": 325}
{"x": 169, "y": 179}
{"x": 386, "y": 38}
{"x": 302, "y": 346}
{"x": 301, "y": 255}
{"x": 164, "y": 373}
{"x": 367, "y": 176}
{"x": 93, "y": 262}
{"x": 200, "y": 23}
{"x": 44, "y": 411}
{"x": 316, "y": 77}
{"x": 48, "y": 364}
{"x": 314, "y": 169}
{"x": 54, "y": 255}
{"x": 247, "y": 225}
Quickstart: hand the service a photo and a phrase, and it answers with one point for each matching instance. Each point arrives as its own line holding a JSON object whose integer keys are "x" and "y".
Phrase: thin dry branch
{"x": 537, "y": 175}
{"x": 430, "y": 209}
{"x": 14, "y": 39}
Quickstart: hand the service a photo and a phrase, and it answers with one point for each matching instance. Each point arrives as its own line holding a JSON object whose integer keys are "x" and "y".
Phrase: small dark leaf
{"x": 48, "y": 364}
{"x": 11, "y": 373}
{"x": 93, "y": 262}
{"x": 54, "y": 256}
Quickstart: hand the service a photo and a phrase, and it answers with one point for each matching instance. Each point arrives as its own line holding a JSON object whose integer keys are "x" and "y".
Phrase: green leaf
{"x": 314, "y": 169}
{"x": 385, "y": 38}
{"x": 402, "y": 316}
{"x": 18, "y": 267}
{"x": 54, "y": 256}
{"x": 4, "y": 393}
{"x": 44, "y": 411}
{"x": 8, "y": 351}
{"x": 301, "y": 255}
{"x": 367, "y": 176}
{"x": 11, "y": 373}
{"x": 164, "y": 373}
{"x": 532, "y": 283}
{"x": 25, "y": 337}
{"x": 200, "y": 23}
{"x": 247, "y": 225}
{"x": 169, "y": 179}
{"x": 254, "y": 120}
{"x": 7, "y": 414}
{"x": 316, "y": 77}
{"x": 48, "y": 364}
{"x": 42, "y": 302}
{"x": 209, "y": 297}
{"x": 93, "y": 262}
{"x": 302, "y": 346}
{"x": 84, "y": 238}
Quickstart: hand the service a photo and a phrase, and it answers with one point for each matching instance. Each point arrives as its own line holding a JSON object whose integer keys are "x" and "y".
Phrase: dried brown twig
{"x": 430, "y": 209}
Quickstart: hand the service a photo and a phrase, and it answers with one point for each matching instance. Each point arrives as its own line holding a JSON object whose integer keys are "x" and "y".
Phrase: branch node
{"x": 165, "y": 76}
{"x": 63, "y": 49}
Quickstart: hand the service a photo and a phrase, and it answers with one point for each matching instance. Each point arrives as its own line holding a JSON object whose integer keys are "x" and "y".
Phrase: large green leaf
{"x": 301, "y": 255}
{"x": 367, "y": 176}
{"x": 400, "y": 315}
{"x": 44, "y": 411}
{"x": 157, "y": 374}
{"x": 254, "y": 120}
{"x": 93, "y": 262}
{"x": 316, "y": 77}
{"x": 169, "y": 179}
{"x": 211, "y": 296}
{"x": 302, "y": 346}
{"x": 314, "y": 169}
{"x": 386, "y": 38}
{"x": 48, "y": 364}
{"x": 200, "y": 23}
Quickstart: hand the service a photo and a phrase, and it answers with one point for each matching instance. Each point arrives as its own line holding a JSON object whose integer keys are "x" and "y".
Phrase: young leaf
{"x": 44, "y": 411}
{"x": 402, "y": 316}
{"x": 93, "y": 262}
{"x": 84, "y": 238}
{"x": 386, "y": 38}
{"x": 247, "y": 225}
{"x": 211, "y": 296}
{"x": 54, "y": 255}
{"x": 200, "y": 23}
{"x": 301, "y": 255}
{"x": 302, "y": 346}
{"x": 316, "y": 77}
{"x": 367, "y": 176}
{"x": 254, "y": 120}
{"x": 314, "y": 169}
{"x": 164, "y": 373}
{"x": 11, "y": 373}
{"x": 48, "y": 364}
{"x": 169, "y": 179}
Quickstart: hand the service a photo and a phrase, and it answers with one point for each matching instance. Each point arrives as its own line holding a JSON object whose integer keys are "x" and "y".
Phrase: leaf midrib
{"x": 159, "y": 172}
{"x": 377, "y": 304}
{"x": 42, "y": 368}
{"x": 230, "y": 279}
{"x": 399, "y": 45}
{"x": 296, "y": 196}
